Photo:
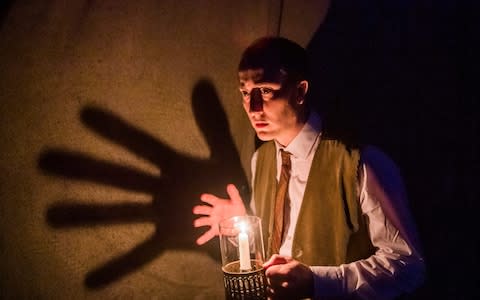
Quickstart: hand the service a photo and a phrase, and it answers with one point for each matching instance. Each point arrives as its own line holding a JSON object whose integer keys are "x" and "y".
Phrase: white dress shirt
{"x": 397, "y": 266}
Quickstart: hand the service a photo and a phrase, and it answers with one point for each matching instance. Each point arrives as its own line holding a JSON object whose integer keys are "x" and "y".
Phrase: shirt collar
{"x": 302, "y": 145}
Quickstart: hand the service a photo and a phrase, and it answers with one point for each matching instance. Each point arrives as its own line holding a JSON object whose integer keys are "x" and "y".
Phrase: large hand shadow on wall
{"x": 174, "y": 192}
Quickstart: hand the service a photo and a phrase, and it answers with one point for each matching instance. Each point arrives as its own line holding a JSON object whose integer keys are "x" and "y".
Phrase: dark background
{"x": 402, "y": 75}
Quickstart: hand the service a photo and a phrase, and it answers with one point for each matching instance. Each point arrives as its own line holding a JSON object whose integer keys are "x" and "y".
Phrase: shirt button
{"x": 298, "y": 253}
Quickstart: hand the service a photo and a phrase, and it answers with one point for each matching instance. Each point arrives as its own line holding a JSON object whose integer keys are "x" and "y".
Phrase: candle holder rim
{"x": 256, "y": 267}
{"x": 225, "y": 222}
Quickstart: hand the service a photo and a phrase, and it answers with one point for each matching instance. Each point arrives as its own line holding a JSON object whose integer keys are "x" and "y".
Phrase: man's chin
{"x": 264, "y": 136}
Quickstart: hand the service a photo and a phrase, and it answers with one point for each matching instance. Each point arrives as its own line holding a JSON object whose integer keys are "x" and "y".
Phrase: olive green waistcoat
{"x": 330, "y": 228}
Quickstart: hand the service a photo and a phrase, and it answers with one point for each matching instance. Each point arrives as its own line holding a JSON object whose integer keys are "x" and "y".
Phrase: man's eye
{"x": 245, "y": 93}
{"x": 266, "y": 91}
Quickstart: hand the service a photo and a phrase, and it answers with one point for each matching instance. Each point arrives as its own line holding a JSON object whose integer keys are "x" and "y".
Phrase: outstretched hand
{"x": 217, "y": 210}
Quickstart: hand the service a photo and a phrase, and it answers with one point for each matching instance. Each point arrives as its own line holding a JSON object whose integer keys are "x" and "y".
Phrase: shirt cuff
{"x": 327, "y": 281}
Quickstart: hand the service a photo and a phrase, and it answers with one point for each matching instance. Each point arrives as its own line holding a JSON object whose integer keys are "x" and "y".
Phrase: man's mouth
{"x": 261, "y": 124}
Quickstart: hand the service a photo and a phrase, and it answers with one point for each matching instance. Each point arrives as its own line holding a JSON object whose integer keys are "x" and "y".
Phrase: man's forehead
{"x": 261, "y": 75}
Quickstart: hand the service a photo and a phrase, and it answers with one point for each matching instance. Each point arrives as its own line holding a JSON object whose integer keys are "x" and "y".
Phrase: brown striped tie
{"x": 280, "y": 201}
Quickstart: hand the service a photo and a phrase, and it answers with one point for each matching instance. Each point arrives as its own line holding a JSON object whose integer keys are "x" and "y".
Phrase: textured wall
{"x": 115, "y": 116}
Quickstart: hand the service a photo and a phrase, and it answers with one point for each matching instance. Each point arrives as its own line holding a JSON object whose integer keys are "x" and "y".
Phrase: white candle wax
{"x": 244, "y": 249}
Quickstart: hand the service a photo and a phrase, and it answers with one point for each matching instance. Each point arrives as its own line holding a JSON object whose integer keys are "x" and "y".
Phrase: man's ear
{"x": 302, "y": 89}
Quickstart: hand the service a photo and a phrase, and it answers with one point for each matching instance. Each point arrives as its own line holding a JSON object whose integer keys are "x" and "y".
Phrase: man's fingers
{"x": 275, "y": 260}
{"x": 202, "y": 210}
{"x": 278, "y": 281}
{"x": 203, "y": 221}
{"x": 206, "y": 237}
{"x": 209, "y": 198}
{"x": 233, "y": 193}
{"x": 277, "y": 274}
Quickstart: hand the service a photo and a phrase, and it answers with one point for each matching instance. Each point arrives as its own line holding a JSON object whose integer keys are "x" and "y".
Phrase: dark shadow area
{"x": 400, "y": 75}
{"x": 5, "y": 6}
{"x": 174, "y": 193}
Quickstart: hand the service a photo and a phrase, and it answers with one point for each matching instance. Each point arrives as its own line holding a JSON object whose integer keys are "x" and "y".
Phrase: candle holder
{"x": 241, "y": 246}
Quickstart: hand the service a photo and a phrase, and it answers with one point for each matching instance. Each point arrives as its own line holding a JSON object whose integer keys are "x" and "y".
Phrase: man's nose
{"x": 256, "y": 100}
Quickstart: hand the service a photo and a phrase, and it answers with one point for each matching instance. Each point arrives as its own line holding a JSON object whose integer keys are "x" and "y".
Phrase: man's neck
{"x": 289, "y": 137}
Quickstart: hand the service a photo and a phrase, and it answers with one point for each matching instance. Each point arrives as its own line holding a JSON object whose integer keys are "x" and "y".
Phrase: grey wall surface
{"x": 116, "y": 115}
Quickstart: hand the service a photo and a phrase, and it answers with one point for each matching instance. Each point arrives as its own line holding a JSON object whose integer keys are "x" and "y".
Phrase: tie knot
{"x": 285, "y": 158}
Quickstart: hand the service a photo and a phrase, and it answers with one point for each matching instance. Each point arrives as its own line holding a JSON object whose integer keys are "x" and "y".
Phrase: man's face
{"x": 271, "y": 104}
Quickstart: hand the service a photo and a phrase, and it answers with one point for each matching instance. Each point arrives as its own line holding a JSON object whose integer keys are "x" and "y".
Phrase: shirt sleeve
{"x": 397, "y": 266}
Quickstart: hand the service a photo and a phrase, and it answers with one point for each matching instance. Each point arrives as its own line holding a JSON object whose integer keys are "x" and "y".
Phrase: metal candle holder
{"x": 241, "y": 245}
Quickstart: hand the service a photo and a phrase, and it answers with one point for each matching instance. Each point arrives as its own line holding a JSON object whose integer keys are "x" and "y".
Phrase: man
{"x": 346, "y": 231}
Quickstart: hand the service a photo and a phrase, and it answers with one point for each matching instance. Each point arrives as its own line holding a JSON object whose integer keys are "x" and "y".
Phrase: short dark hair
{"x": 275, "y": 54}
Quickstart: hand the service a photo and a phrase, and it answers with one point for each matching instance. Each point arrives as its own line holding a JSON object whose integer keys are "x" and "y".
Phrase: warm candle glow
{"x": 244, "y": 248}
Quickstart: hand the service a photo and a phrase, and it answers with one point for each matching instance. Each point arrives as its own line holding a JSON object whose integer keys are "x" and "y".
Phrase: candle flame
{"x": 242, "y": 226}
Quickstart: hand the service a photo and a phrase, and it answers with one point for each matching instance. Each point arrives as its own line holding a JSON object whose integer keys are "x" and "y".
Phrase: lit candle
{"x": 244, "y": 249}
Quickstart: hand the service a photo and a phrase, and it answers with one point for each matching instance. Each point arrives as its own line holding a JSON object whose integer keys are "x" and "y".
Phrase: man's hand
{"x": 217, "y": 210}
{"x": 288, "y": 278}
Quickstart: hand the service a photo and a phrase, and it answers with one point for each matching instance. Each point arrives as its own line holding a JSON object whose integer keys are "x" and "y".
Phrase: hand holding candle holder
{"x": 241, "y": 246}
